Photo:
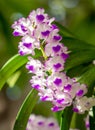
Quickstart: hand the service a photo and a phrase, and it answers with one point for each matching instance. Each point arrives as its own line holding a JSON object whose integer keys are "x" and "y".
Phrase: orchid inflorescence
{"x": 49, "y": 77}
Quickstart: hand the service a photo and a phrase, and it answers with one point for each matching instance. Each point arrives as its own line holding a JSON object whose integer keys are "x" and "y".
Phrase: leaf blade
{"x": 75, "y": 44}
{"x": 79, "y": 57}
{"x": 64, "y": 31}
{"x": 25, "y": 110}
{"x": 66, "y": 118}
{"x": 10, "y": 67}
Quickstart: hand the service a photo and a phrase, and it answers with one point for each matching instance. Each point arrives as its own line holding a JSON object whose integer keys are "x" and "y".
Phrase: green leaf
{"x": 66, "y": 118}
{"x": 71, "y": 41}
{"x": 78, "y": 70}
{"x": 10, "y": 67}
{"x": 13, "y": 79}
{"x": 64, "y": 31}
{"x": 38, "y": 53}
{"x": 74, "y": 44}
{"x": 92, "y": 120}
{"x": 78, "y": 121}
{"x": 89, "y": 79}
{"x": 57, "y": 115}
{"x": 89, "y": 76}
{"x": 25, "y": 110}
{"x": 78, "y": 58}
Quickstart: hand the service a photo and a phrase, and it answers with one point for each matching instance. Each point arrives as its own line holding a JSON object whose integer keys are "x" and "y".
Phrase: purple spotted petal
{"x": 57, "y": 66}
{"x": 37, "y": 86}
{"x": 40, "y": 17}
{"x": 56, "y": 48}
{"x": 40, "y": 123}
{"x": 57, "y": 81}
{"x": 30, "y": 67}
{"x": 28, "y": 45}
{"x": 51, "y": 124}
{"x": 16, "y": 33}
{"x": 57, "y": 38}
{"x": 54, "y": 26}
{"x": 46, "y": 33}
{"x": 30, "y": 120}
{"x": 80, "y": 92}
{"x": 55, "y": 108}
{"x": 23, "y": 28}
{"x": 21, "y": 53}
{"x": 75, "y": 110}
{"x": 64, "y": 56}
{"x": 87, "y": 125}
{"x": 44, "y": 98}
{"x": 67, "y": 87}
{"x": 60, "y": 101}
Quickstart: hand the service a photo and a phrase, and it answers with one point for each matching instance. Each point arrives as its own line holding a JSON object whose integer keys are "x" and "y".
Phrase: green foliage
{"x": 64, "y": 31}
{"x": 79, "y": 57}
{"x": 66, "y": 118}
{"x": 92, "y": 120}
{"x": 25, "y": 110}
{"x": 10, "y": 67}
{"x": 75, "y": 44}
{"x": 89, "y": 78}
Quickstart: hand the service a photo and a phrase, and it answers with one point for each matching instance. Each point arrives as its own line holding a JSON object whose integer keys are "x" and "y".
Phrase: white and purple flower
{"x": 52, "y": 84}
{"x": 41, "y": 123}
{"x": 38, "y": 122}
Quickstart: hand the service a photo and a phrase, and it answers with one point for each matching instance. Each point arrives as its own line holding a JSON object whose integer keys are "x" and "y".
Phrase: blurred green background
{"x": 77, "y": 15}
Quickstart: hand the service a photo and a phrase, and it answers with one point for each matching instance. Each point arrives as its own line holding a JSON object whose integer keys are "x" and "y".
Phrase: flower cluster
{"x": 37, "y": 122}
{"x": 48, "y": 78}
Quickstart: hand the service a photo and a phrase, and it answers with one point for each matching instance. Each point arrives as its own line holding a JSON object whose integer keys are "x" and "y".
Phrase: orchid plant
{"x": 62, "y": 72}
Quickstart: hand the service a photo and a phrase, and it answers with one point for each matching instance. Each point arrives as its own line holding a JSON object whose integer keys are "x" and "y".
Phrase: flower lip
{"x": 57, "y": 66}
{"x": 56, "y": 48}
{"x": 67, "y": 87}
{"x": 80, "y": 92}
{"x": 57, "y": 38}
{"x": 87, "y": 125}
{"x": 30, "y": 67}
{"x": 57, "y": 81}
{"x": 40, "y": 123}
{"x": 45, "y": 33}
{"x": 37, "y": 86}
{"x": 60, "y": 101}
{"x": 64, "y": 56}
{"x": 54, "y": 26}
{"x": 15, "y": 33}
{"x": 55, "y": 108}
{"x": 23, "y": 28}
{"x": 51, "y": 124}
{"x": 75, "y": 110}
{"x": 44, "y": 98}
{"x": 40, "y": 17}
{"x": 21, "y": 53}
{"x": 28, "y": 45}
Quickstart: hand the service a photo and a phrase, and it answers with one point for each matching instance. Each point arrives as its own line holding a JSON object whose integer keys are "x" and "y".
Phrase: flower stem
{"x": 42, "y": 50}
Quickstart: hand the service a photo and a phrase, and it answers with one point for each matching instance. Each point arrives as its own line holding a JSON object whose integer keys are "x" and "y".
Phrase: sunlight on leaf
{"x": 10, "y": 67}
{"x": 13, "y": 79}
